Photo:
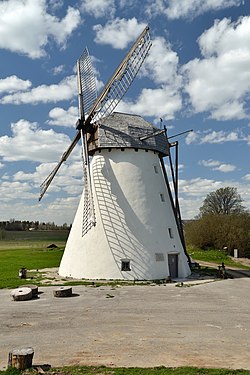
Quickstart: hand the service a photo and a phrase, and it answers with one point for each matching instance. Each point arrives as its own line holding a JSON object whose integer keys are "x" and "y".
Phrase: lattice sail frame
{"x": 87, "y": 81}
{"x": 109, "y": 97}
{"x": 123, "y": 77}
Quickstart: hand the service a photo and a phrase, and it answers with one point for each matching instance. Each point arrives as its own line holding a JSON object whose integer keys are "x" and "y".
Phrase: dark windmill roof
{"x": 120, "y": 130}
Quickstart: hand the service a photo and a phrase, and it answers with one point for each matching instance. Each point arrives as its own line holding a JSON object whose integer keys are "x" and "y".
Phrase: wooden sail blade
{"x": 109, "y": 97}
{"x": 122, "y": 78}
{"x": 46, "y": 183}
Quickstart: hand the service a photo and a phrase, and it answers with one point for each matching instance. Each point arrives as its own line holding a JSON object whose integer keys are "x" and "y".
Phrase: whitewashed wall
{"x": 133, "y": 214}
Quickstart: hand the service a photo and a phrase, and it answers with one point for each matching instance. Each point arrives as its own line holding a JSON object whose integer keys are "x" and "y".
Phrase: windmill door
{"x": 173, "y": 265}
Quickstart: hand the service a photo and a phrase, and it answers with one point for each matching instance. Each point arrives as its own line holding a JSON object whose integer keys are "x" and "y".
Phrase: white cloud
{"x": 216, "y": 165}
{"x": 118, "y": 32}
{"x": 212, "y": 136}
{"x": 61, "y": 117}
{"x": 161, "y": 64}
{"x": 220, "y": 82}
{"x": 209, "y": 163}
{"x": 64, "y": 90}
{"x": 220, "y": 137}
{"x": 28, "y": 142}
{"x": 1, "y": 165}
{"x": 247, "y": 177}
{"x": 225, "y": 168}
{"x": 13, "y": 83}
{"x": 99, "y": 8}
{"x": 26, "y": 27}
{"x": 161, "y": 103}
{"x": 58, "y": 69}
{"x": 192, "y": 137}
{"x": 15, "y": 190}
{"x": 175, "y": 9}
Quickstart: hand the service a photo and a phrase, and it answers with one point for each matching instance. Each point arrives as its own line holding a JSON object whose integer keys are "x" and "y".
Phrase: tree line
{"x": 223, "y": 223}
{"x": 23, "y": 225}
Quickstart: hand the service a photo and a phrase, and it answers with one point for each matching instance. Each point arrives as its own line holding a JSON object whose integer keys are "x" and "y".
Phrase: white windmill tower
{"x": 127, "y": 225}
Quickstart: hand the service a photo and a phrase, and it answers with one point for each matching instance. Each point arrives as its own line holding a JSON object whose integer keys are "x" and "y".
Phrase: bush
{"x": 220, "y": 231}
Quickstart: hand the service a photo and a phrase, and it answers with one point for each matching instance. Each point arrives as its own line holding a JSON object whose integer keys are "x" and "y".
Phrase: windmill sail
{"x": 86, "y": 96}
{"x": 87, "y": 80}
{"x": 110, "y": 95}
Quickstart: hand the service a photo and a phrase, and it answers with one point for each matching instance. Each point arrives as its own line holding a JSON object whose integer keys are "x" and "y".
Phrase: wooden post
{"x": 21, "y": 358}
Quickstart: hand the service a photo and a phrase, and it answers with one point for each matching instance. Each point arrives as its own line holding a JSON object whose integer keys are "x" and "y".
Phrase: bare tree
{"x": 224, "y": 201}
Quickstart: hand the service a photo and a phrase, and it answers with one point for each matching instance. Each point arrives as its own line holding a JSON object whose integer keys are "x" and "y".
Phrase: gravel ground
{"x": 197, "y": 324}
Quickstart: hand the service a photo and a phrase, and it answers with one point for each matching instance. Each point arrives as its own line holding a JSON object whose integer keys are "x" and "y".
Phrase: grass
{"x": 12, "y": 260}
{"x": 29, "y": 250}
{"x": 214, "y": 256}
{"x": 102, "y": 370}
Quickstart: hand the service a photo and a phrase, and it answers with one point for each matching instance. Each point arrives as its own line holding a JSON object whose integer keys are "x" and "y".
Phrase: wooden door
{"x": 173, "y": 265}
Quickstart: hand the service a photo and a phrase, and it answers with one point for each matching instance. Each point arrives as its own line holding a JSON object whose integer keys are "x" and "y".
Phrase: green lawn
{"x": 29, "y": 250}
{"x": 12, "y": 260}
{"x": 102, "y": 370}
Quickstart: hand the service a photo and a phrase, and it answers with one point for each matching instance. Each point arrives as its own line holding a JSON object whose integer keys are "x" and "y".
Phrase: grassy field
{"x": 102, "y": 370}
{"x": 33, "y": 239}
{"x": 28, "y": 250}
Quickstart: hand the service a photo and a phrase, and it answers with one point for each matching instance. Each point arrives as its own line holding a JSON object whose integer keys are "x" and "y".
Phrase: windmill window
{"x": 170, "y": 232}
{"x": 125, "y": 265}
{"x": 156, "y": 169}
{"x": 162, "y": 197}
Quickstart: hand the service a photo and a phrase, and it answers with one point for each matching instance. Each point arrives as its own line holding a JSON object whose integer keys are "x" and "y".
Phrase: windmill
{"x": 127, "y": 225}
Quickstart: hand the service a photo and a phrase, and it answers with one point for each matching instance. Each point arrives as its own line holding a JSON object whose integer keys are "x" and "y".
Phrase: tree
{"x": 224, "y": 201}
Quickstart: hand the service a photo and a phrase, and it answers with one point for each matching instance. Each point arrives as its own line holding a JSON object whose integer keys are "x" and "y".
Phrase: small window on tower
{"x": 162, "y": 197}
{"x": 125, "y": 265}
{"x": 170, "y": 231}
{"x": 156, "y": 169}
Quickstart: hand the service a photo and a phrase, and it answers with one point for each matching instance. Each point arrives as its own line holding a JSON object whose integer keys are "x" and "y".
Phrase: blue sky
{"x": 197, "y": 76}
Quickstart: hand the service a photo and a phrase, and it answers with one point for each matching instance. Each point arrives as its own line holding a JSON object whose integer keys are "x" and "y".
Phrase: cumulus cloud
{"x": 220, "y": 137}
{"x": 161, "y": 64}
{"x": 99, "y": 8}
{"x": 176, "y": 9}
{"x": 13, "y": 83}
{"x": 61, "y": 117}
{"x": 64, "y": 90}
{"x": 216, "y": 165}
{"x": 29, "y": 142}
{"x": 118, "y": 32}
{"x": 212, "y": 136}
{"x": 15, "y": 190}
{"x": 26, "y": 27}
{"x": 219, "y": 83}
{"x": 162, "y": 102}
